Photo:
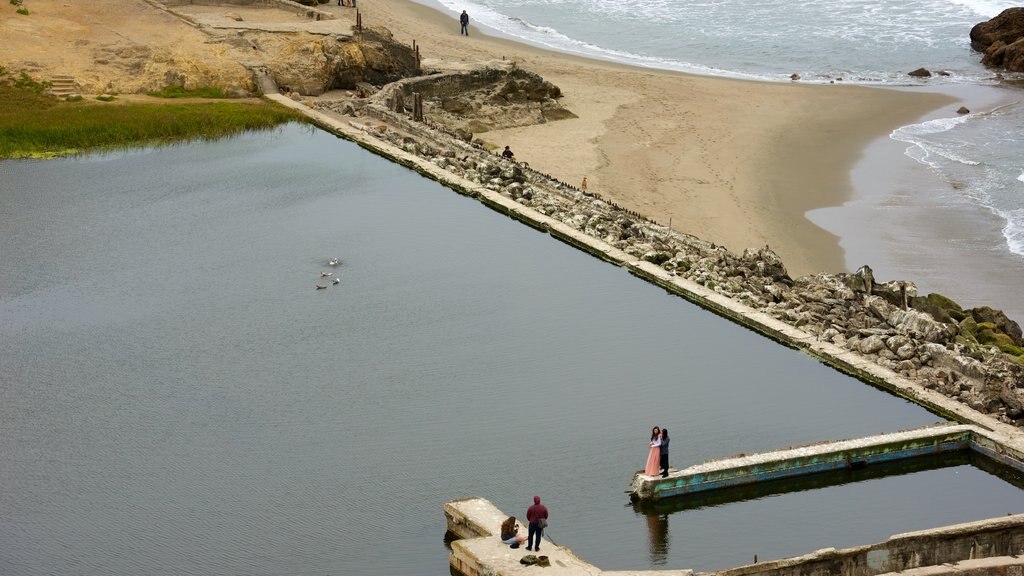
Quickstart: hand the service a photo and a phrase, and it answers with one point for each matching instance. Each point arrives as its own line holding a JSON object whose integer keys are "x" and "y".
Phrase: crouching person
{"x": 510, "y": 533}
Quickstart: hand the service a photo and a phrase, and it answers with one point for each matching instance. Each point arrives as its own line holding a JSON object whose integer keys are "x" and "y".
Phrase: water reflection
{"x": 657, "y": 538}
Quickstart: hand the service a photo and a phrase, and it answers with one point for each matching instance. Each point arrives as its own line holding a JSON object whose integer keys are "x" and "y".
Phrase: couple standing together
{"x": 657, "y": 457}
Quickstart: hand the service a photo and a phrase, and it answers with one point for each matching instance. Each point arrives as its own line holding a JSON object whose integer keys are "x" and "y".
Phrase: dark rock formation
{"x": 920, "y": 73}
{"x": 1001, "y": 39}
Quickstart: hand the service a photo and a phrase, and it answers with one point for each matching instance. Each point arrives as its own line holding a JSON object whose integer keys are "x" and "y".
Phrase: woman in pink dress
{"x": 653, "y": 467}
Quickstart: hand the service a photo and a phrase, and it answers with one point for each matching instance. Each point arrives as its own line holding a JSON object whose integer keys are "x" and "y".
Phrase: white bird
{"x": 321, "y": 286}
{"x": 333, "y": 262}
{"x": 326, "y": 274}
{"x": 336, "y": 280}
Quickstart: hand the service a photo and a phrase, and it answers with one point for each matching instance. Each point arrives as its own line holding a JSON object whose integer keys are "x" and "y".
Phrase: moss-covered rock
{"x": 1010, "y": 349}
{"x": 969, "y": 328}
{"x": 940, "y": 307}
{"x": 1000, "y": 320}
{"x": 985, "y": 333}
{"x": 966, "y": 341}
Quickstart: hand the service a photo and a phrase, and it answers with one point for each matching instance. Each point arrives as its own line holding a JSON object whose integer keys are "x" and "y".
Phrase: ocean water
{"x": 972, "y": 162}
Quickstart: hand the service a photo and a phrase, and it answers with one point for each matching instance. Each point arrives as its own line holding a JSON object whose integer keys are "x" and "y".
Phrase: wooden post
{"x": 359, "y": 21}
{"x": 417, "y": 107}
{"x": 417, "y": 58}
{"x": 399, "y": 103}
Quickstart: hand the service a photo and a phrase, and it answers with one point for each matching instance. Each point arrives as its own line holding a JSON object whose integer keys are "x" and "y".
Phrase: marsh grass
{"x": 35, "y": 125}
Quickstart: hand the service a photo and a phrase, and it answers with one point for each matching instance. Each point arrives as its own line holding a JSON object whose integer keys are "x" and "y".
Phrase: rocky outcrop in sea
{"x": 1001, "y": 39}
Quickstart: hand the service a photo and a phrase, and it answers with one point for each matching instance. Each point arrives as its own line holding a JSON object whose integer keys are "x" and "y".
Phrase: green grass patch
{"x": 70, "y": 128}
{"x": 35, "y": 125}
{"x": 106, "y": 98}
{"x": 25, "y": 82}
{"x": 175, "y": 91}
{"x": 23, "y": 11}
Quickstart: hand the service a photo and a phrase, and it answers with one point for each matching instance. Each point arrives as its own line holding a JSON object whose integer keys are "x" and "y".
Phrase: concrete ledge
{"x": 983, "y": 547}
{"x": 997, "y": 566}
{"x": 490, "y": 557}
{"x": 473, "y": 518}
{"x": 481, "y": 553}
{"x": 946, "y": 546}
{"x": 310, "y": 12}
{"x": 823, "y": 457}
{"x": 803, "y": 460}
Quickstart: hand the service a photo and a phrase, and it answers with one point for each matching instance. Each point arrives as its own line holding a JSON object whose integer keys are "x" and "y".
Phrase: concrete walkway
{"x": 480, "y": 552}
{"x": 803, "y": 460}
{"x": 983, "y": 547}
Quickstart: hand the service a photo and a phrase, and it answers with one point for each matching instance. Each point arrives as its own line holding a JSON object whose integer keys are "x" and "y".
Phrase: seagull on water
{"x": 336, "y": 281}
{"x": 321, "y": 286}
{"x": 326, "y": 274}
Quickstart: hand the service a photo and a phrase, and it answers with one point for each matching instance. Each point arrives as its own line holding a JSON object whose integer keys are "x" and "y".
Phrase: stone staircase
{"x": 63, "y": 86}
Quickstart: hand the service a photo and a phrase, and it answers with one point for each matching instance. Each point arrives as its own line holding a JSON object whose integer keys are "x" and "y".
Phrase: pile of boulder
{"x": 1001, "y": 39}
{"x": 974, "y": 356}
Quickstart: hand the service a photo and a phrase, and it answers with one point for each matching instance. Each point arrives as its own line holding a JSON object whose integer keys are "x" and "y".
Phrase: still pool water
{"x": 177, "y": 398}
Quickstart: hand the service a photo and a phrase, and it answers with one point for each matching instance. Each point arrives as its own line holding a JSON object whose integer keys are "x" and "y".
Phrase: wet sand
{"x": 735, "y": 162}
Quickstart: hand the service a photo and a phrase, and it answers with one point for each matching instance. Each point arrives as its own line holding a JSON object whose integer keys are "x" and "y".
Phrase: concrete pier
{"x": 824, "y": 457}
{"x": 974, "y": 548}
{"x": 477, "y": 521}
{"x": 480, "y": 552}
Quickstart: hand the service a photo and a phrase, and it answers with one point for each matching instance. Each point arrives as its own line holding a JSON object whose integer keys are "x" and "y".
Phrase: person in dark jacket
{"x": 464, "y": 20}
{"x": 537, "y": 516}
{"x": 664, "y": 452}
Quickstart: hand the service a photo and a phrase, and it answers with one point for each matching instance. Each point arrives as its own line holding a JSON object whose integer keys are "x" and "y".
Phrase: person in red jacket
{"x": 537, "y": 516}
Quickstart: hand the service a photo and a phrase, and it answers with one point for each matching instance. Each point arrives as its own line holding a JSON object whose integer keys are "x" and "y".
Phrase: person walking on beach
{"x": 537, "y": 516}
{"x": 507, "y": 153}
{"x": 464, "y": 20}
{"x": 583, "y": 185}
{"x": 664, "y": 452}
{"x": 653, "y": 453}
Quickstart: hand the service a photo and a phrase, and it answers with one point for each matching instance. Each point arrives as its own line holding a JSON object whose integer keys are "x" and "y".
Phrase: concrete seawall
{"x": 985, "y": 547}
{"x": 831, "y": 354}
{"x": 824, "y": 457}
{"x": 999, "y": 539}
{"x": 475, "y": 520}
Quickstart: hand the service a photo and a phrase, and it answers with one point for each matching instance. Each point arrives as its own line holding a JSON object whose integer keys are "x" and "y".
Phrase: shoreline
{"x": 734, "y": 162}
{"x": 905, "y": 221}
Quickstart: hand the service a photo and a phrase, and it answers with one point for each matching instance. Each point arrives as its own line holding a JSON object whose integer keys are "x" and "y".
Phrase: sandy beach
{"x": 731, "y": 161}
{"x": 735, "y": 162}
